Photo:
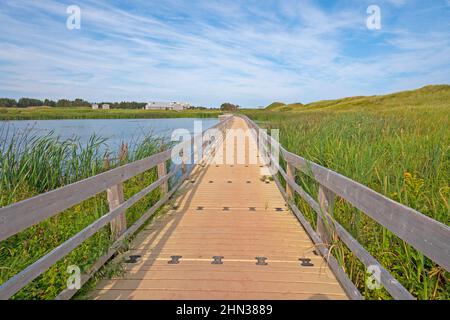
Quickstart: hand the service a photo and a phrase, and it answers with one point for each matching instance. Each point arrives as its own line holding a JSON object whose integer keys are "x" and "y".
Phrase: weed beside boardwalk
{"x": 48, "y": 113}
{"x": 30, "y": 165}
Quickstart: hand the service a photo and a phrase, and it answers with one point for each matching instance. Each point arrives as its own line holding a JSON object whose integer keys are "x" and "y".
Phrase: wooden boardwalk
{"x": 232, "y": 213}
{"x": 235, "y": 231}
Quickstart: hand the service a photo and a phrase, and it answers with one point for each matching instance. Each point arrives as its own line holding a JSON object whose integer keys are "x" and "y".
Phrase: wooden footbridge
{"x": 232, "y": 230}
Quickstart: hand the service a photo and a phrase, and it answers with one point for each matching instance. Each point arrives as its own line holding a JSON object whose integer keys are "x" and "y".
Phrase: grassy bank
{"x": 44, "y": 113}
{"x": 398, "y": 145}
{"x": 30, "y": 165}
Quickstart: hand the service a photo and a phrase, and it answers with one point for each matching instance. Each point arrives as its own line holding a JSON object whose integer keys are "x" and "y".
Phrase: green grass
{"x": 435, "y": 96}
{"x": 30, "y": 165}
{"x": 279, "y": 106}
{"x": 275, "y": 106}
{"x": 398, "y": 145}
{"x": 44, "y": 113}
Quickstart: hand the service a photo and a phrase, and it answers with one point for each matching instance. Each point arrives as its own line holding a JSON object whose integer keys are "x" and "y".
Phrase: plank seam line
{"x": 223, "y": 291}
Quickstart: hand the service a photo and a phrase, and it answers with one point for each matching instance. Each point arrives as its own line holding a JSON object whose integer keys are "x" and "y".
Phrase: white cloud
{"x": 251, "y": 55}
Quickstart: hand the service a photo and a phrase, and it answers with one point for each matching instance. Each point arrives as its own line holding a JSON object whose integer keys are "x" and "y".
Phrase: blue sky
{"x": 207, "y": 52}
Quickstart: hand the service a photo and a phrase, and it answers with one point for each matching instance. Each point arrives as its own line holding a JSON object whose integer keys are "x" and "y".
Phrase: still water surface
{"x": 115, "y": 131}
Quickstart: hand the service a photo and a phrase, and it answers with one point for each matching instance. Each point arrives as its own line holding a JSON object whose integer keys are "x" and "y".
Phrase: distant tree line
{"x": 29, "y": 102}
{"x": 65, "y": 103}
{"x": 229, "y": 107}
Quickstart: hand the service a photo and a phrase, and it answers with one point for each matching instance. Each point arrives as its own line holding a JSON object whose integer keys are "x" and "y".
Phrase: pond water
{"x": 115, "y": 131}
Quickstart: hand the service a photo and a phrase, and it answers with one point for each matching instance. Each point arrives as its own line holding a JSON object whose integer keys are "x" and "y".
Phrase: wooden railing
{"x": 428, "y": 236}
{"x": 24, "y": 214}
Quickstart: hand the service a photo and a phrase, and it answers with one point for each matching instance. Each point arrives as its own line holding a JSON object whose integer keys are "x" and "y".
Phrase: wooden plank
{"x": 209, "y": 295}
{"x": 275, "y": 285}
{"x": 244, "y": 266}
{"x": 191, "y": 273}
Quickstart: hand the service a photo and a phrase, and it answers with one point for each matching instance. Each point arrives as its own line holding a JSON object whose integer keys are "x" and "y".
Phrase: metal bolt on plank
{"x": 133, "y": 258}
{"x": 261, "y": 261}
{"x": 306, "y": 262}
{"x": 217, "y": 260}
{"x": 175, "y": 260}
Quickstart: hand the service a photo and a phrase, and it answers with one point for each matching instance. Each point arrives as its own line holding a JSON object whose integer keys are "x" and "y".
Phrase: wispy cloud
{"x": 207, "y": 52}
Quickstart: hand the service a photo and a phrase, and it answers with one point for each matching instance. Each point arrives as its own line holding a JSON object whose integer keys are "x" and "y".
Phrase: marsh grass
{"x": 30, "y": 165}
{"x": 46, "y": 113}
{"x": 398, "y": 145}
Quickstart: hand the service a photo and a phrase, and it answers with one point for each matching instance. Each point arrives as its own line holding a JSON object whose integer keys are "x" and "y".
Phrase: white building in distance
{"x": 96, "y": 106}
{"x": 176, "y": 106}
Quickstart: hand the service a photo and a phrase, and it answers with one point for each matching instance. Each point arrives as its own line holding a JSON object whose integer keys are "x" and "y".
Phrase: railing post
{"x": 161, "y": 173}
{"x": 290, "y": 172}
{"x": 213, "y": 150}
{"x": 324, "y": 224}
{"x": 115, "y": 199}
{"x": 183, "y": 164}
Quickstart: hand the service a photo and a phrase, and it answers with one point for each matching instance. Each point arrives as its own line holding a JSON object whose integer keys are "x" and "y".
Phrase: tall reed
{"x": 31, "y": 164}
{"x": 403, "y": 153}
